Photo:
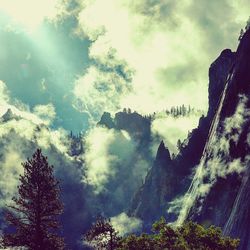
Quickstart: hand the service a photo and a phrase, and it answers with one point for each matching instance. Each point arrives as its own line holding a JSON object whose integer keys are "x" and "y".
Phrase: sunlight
{"x": 29, "y": 14}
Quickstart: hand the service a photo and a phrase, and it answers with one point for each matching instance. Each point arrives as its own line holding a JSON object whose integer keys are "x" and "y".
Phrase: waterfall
{"x": 230, "y": 222}
{"x": 194, "y": 190}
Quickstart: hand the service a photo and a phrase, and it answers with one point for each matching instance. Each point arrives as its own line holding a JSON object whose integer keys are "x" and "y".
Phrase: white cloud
{"x": 10, "y": 170}
{"x": 46, "y": 112}
{"x": 104, "y": 150}
{"x": 4, "y": 95}
{"x": 99, "y": 90}
{"x": 161, "y": 43}
{"x": 124, "y": 224}
{"x": 170, "y": 129}
{"x": 30, "y": 14}
{"x": 31, "y": 125}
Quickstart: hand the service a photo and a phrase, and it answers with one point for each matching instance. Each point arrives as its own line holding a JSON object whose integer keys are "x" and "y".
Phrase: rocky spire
{"x": 163, "y": 153}
{"x": 9, "y": 115}
{"x": 106, "y": 120}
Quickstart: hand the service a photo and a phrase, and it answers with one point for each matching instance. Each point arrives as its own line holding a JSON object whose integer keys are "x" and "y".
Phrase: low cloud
{"x": 4, "y": 95}
{"x": 105, "y": 150}
{"x": 11, "y": 159}
{"x": 170, "y": 129}
{"x": 124, "y": 224}
{"x": 216, "y": 163}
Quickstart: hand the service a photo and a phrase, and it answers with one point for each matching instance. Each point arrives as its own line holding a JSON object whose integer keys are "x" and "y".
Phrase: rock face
{"x": 227, "y": 203}
{"x": 218, "y": 72}
{"x": 170, "y": 178}
{"x": 150, "y": 201}
{"x": 137, "y": 126}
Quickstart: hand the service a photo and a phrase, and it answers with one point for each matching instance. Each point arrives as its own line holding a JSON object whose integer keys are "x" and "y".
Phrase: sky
{"x": 79, "y": 58}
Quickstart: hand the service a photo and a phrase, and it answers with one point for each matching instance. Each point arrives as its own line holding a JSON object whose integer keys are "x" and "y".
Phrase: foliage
{"x": 33, "y": 217}
{"x": 102, "y": 235}
{"x": 189, "y": 236}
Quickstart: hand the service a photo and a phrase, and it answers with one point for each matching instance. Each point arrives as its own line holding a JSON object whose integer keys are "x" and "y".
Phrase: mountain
{"x": 160, "y": 182}
{"x": 225, "y": 162}
{"x": 152, "y": 201}
{"x": 209, "y": 179}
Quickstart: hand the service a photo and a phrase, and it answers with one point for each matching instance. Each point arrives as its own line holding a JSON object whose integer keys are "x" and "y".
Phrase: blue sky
{"x": 87, "y": 57}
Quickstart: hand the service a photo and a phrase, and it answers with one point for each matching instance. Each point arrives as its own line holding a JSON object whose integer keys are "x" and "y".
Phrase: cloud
{"x": 46, "y": 112}
{"x": 166, "y": 45}
{"x": 11, "y": 158}
{"x": 31, "y": 126}
{"x": 124, "y": 224}
{"x": 170, "y": 129}
{"x": 6, "y": 102}
{"x": 44, "y": 63}
{"x": 4, "y": 95}
{"x": 99, "y": 90}
{"x": 105, "y": 150}
{"x": 29, "y": 15}
{"x": 21, "y": 131}
{"x": 216, "y": 161}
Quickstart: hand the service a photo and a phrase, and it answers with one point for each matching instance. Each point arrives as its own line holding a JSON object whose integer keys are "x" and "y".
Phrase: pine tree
{"x": 33, "y": 215}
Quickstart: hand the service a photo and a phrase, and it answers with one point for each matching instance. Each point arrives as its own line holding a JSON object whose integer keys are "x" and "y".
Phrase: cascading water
{"x": 197, "y": 185}
{"x": 231, "y": 221}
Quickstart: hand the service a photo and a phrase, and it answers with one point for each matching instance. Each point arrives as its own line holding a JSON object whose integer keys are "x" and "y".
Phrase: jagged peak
{"x": 106, "y": 120}
{"x": 9, "y": 115}
{"x": 163, "y": 152}
{"x": 226, "y": 52}
{"x": 162, "y": 145}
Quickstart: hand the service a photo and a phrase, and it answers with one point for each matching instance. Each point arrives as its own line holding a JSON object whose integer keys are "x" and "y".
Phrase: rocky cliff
{"x": 169, "y": 179}
{"x": 220, "y": 188}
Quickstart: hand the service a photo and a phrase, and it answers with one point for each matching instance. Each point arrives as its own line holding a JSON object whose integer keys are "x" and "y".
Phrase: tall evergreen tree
{"x": 33, "y": 215}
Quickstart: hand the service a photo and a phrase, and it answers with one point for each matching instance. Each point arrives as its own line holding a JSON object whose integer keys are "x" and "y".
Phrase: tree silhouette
{"x": 102, "y": 235}
{"x": 33, "y": 215}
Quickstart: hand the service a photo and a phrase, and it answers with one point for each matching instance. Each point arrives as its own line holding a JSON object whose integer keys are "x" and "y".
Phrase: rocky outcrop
{"x": 227, "y": 203}
{"x": 150, "y": 201}
{"x": 136, "y": 125}
{"x": 218, "y": 72}
{"x": 106, "y": 120}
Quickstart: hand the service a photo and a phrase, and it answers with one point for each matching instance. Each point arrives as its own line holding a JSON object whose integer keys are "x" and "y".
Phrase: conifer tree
{"x": 33, "y": 215}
